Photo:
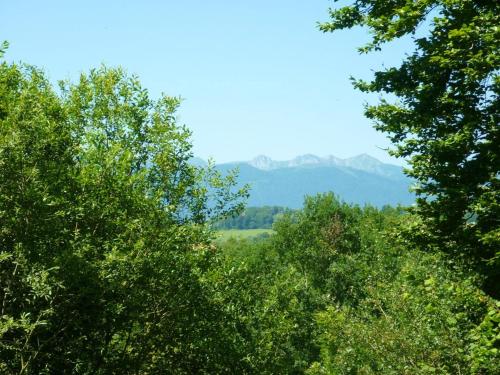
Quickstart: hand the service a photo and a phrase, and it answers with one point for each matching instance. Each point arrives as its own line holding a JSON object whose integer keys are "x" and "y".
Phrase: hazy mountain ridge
{"x": 361, "y": 179}
{"x": 361, "y": 162}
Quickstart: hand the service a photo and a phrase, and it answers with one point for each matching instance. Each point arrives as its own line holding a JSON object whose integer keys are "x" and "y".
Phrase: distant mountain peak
{"x": 262, "y": 158}
{"x": 363, "y": 162}
{"x": 308, "y": 156}
{"x": 306, "y": 159}
{"x": 333, "y": 159}
{"x": 262, "y": 162}
{"x": 365, "y": 158}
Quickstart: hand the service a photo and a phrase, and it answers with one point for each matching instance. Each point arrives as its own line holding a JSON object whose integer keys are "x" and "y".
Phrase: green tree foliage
{"x": 407, "y": 314}
{"x": 445, "y": 119}
{"x": 102, "y": 242}
{"x": 340, "y": 290}
{"x": 312, "y": 238}
{"x": 3, "y": 48}
{"x": 272, "y": 303}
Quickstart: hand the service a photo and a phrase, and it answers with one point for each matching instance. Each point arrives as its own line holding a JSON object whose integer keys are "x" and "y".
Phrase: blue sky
{"x": 257, "y": 77}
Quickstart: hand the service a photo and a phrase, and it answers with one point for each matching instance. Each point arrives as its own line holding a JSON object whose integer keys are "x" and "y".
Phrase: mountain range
{"x": 361, "y": 180}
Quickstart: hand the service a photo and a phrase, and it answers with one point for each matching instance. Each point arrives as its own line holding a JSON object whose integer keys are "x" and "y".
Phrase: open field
{"x": 224, "y": 235}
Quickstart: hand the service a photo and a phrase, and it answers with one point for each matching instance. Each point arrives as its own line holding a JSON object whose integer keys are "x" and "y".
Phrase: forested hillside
{"x": 287, "y": 184}
{"x": 109, "y": 262}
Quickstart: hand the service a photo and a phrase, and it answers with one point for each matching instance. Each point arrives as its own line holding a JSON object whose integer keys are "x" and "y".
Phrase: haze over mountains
{"x": 361, "y": 179}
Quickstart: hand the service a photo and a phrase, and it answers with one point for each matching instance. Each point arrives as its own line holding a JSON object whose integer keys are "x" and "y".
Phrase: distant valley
{"x": 361, "y": 180}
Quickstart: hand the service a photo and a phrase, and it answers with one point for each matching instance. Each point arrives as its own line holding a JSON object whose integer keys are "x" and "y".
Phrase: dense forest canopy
{"x": 108, "y": 258}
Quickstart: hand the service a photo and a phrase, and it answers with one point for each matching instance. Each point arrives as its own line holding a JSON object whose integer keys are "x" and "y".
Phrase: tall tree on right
{"x": 445, "y": 120}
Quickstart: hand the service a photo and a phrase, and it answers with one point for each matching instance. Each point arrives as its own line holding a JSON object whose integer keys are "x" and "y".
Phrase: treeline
{"x": 253, "y": 218}
{"x": 264, "y": 217}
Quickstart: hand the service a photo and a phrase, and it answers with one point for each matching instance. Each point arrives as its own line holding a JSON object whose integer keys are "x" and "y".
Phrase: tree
{"x": 103, "y": 245}
{"x": 445, "y": 119}
{"x": 3, "y": 47}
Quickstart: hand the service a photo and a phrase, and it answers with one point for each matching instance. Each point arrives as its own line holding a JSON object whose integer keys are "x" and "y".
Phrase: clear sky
{"x": 257, "y": 77}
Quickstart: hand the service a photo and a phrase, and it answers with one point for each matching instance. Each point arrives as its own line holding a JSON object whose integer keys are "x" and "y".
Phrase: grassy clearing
{"x": 224, "y": 235}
